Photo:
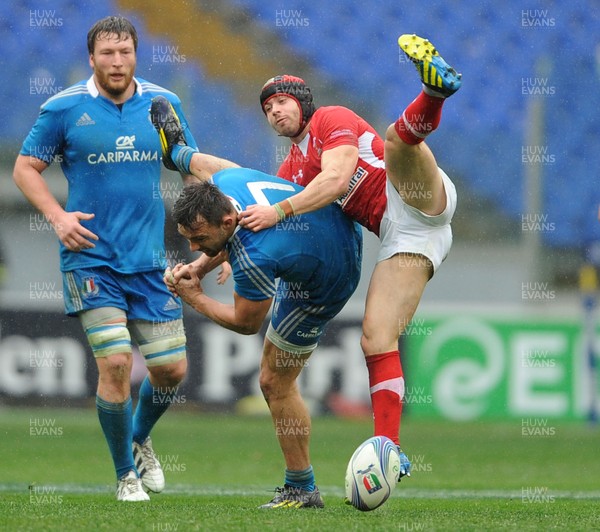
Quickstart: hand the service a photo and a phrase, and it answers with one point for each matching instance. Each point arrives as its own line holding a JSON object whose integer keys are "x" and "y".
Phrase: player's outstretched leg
{"x": 435, "y": 73}
{"x": 176, "y": 154}
{"x": 440, "y": 80}
{"x": 411, "y": 166}
{"x": 148, "y": 466}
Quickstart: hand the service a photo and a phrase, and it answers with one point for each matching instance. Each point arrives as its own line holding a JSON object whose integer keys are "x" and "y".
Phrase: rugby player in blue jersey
{"x": 315, "y": 258}
{"x": 111, "y": 234}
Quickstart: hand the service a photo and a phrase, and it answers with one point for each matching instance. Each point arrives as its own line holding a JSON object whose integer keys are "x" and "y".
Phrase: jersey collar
{"x": 303, "y": 144}
{"x": 238, "y": 209}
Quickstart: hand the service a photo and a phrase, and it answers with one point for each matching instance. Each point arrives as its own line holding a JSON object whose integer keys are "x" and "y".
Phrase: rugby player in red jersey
{"x": 392, "y": 186}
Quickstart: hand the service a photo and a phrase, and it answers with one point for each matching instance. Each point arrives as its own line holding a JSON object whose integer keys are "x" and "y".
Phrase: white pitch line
{"x": 258, "y": 491}
{"x": 524, "y": 492}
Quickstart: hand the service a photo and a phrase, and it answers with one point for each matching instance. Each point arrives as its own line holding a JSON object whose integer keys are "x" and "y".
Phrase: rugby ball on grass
{"x": 372, "y": 473}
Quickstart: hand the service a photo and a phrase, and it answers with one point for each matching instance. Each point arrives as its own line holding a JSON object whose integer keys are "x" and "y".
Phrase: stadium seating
{"x": 498, "y": 47}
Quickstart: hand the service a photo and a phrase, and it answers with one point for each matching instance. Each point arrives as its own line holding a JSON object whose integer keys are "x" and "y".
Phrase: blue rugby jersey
{"x": 317, "y": 253}
{"x": 111, "y": 158}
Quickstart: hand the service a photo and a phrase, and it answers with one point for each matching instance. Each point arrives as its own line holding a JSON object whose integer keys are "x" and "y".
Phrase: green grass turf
{"x": 474, "y": 476}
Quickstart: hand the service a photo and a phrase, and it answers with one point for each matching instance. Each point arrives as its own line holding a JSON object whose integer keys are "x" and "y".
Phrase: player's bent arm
{"x": 244, "y": 316}
{"x": 337, "y": 168}
{"x": 27, "y": 175}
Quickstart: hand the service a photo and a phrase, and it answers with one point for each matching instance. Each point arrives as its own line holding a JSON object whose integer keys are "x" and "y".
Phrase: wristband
{"x": 280, "y": 212}
{"x": 293, "y": 213}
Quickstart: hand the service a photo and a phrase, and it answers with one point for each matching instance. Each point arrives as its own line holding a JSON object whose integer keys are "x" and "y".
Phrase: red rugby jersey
{"x": 335, "y": 126}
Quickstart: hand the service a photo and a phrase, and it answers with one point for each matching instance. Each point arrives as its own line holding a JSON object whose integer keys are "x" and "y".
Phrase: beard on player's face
{"x": 111, "y": 86}
{"x": 206, "y": 238}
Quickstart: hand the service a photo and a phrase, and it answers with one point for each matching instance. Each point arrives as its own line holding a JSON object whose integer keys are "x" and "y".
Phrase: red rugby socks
{"x": 386, "y": 383}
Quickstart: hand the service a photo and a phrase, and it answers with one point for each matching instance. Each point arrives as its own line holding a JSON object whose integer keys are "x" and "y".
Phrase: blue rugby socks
{"x": 115, "y": 420}
{"x": 152, "y": 403}
{"x": 303, "y": 479}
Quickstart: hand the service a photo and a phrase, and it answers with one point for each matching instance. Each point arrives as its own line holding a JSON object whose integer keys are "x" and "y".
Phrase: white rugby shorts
{"x": 405, "y": 229}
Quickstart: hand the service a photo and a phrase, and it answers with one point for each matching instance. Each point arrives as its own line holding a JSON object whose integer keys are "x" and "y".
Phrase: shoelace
{"x": 149, "y": 457}
{"x": 130, "y": 485}
{"x": 278, "y": 491}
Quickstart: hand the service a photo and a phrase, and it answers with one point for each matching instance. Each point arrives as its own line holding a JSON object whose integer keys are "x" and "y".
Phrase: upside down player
{"x": 111, "y": 236}
{"x": 393, "y": 188}
{"x": 317, "y": 262}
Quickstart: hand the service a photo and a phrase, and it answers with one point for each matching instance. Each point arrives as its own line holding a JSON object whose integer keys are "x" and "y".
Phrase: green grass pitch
{"x": 56, "y": 474}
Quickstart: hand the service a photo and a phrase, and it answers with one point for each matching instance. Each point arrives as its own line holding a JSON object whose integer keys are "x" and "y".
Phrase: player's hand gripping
{"x": 258, "y": 217}
{"x": 183, "y": 282}
{"x": 74, "y": 236}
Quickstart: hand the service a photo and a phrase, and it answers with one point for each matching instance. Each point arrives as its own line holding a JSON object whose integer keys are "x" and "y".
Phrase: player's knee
{"x": 369, "y": 338}
{"x": 271, "y": 384}
{"x": 371, "y": 346}
{"x": 373, "y": 342}
{"x": 115, "y": 368}
{"x": 178, "y": 372}
{"x": 169, "y": 375}
{"x": 364, "y": 344}
{"x": 266, "y": 380}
